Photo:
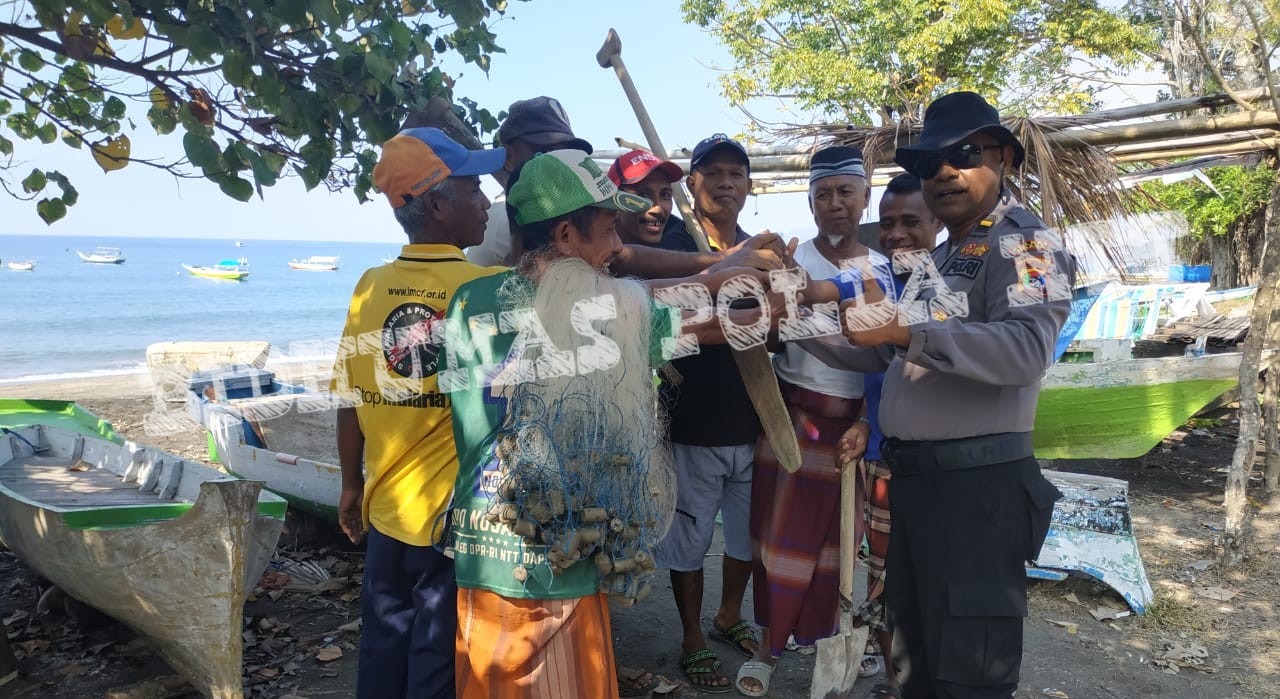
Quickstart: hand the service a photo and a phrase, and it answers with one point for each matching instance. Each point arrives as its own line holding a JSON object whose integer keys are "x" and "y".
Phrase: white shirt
{"x": 496, "y": 247}
{"x": 796, "y": 366}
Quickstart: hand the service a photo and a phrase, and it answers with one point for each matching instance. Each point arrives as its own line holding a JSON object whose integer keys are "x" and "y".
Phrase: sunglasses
{"x": 965, "y": 156}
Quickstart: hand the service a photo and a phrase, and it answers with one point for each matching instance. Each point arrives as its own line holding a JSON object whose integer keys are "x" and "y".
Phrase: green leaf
{"x": 263, "y": 174}
{"x": 235, "y": 67}
{"x": 113, "y": 108}
{"x": 237, "y": 188}
{"x": 162, "y": 120}
{"x": 47, "y": 132}
{"x": 69, "y": 194}
{"x": 5, "y": 106}
{"x": 30, "y": 60}
{"x": 310, "y": 177}
{"x": 6, "y": 146}
{"x": 200, "y": 150}
{"x": 51, "y": 210}
{"x": 72, "y": 140}
{"x": 34, "y": 182}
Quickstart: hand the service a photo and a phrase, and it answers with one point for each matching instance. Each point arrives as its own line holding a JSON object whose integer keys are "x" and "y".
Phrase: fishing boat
{"x": 21, "y": 266}
{"x": 239, "y": 243}
{"x": 167, "y": 546}
{"x": 103, "y": 256}
{"x": 236, "y": 270}
{"x": 315, "y": 263}
{"x": 288, "y": 441}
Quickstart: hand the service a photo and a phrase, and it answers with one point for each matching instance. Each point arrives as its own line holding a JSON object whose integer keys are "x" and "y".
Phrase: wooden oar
{"x": 753, "y": 364}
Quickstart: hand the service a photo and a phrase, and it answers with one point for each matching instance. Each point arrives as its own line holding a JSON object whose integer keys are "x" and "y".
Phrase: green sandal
{"x": 735, "y": 635}
{"x": 691, "y": 667}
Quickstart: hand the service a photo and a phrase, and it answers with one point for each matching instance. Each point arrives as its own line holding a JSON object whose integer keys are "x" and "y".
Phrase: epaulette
{"x": 1023, "y": 218}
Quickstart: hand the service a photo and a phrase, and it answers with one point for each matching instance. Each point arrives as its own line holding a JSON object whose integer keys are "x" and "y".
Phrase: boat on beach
{"x": 21, "y": 265}
{"x": 316, "y": 263}
{"x": 236, "y": 270}
{"x": 167, "y": 546}
{"x": 287, "y": 439}
{"x": 103, "y": 256}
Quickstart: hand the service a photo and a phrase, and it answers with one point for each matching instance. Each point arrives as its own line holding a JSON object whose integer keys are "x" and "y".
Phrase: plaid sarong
{"x": 795, "y": 524}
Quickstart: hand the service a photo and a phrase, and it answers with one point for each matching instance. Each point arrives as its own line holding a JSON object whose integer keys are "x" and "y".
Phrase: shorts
{"x": 709, "y": 480}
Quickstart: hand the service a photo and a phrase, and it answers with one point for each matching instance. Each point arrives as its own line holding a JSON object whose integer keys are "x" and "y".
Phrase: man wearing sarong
{"x": 906, "y": 226}
{"x": 963, "y": 351}
{"x": 395, "y": 439}
{"x": 522, "y": 346}
{"x": 795, "y": 517}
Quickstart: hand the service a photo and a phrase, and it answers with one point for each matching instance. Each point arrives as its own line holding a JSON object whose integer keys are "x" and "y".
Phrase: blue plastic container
{"x": 1198, "y": 273}
{"x": 1178, "y": 273}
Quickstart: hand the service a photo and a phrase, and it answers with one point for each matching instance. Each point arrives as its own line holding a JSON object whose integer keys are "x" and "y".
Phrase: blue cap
{"x": 713, "y": 142}
{"x": 416, "y": 159}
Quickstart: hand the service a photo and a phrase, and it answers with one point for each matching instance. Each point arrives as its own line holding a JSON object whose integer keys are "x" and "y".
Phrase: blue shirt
{"x": 850, "y": 286}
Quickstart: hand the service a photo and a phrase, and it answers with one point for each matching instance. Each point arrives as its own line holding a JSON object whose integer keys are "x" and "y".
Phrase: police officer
{"x": 975, "y": 333}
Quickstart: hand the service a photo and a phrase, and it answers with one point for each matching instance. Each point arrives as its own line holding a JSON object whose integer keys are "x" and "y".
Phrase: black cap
{"x": 714, "y": 142}
{"x": 952, "y": 118}
{"x": 540, "y": 121}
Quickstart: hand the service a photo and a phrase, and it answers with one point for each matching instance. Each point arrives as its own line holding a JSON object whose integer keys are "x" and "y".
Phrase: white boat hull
{"x": 21, "y": 266}
{"x": 179, "y": 581}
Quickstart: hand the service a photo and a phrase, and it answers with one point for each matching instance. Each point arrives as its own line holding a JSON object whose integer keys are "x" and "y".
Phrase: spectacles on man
{"x": 965, "y": 156}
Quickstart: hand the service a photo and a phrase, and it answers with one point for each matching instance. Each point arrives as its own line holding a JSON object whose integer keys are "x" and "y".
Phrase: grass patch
{"x": 1204, "y": 422}
{"x": 1168, "y": 613}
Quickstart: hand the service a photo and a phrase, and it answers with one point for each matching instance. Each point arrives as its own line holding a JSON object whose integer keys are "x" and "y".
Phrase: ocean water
{"x": 71, "y": 318}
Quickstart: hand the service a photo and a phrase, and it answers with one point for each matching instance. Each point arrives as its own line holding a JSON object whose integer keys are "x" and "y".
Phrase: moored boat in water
{"x": 103, "y": 256}
{"x": 316, "y": 263}
{"x": 235, "y": 270}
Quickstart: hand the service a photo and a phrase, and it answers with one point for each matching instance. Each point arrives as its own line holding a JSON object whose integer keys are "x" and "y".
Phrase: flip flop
{"x": 735, "y": 635}
{"x": 757, "y": 670}
{"x": 691, "y": 666}
{"x": 885, "y": 691}
{"x": 629, "y": 682}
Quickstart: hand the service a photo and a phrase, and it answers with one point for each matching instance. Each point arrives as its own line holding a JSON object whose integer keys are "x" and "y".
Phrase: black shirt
{"x": 710, "y": 407}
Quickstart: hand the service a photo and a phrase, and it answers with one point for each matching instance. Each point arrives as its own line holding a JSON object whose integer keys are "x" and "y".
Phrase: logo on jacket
{"x": 406, "y": 340}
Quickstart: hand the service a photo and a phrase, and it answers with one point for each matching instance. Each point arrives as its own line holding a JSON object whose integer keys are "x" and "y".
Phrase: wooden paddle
{"x": 753, "y": 364}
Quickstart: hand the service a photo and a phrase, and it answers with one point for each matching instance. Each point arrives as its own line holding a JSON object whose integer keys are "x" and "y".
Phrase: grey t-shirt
{"x": 977, "y": 373}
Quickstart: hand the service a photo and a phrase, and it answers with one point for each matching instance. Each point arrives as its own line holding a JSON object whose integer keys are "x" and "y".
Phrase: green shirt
{"x": 487, "y": 554}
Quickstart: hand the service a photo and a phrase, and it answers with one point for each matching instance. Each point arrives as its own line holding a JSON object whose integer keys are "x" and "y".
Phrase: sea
{"x": 73, "y": 319}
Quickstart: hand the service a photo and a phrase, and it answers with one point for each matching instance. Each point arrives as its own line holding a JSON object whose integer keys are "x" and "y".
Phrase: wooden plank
{"x": 55, "y": 484}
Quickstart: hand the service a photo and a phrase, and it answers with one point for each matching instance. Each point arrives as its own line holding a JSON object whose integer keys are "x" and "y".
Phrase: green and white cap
{"x": 562, "y": 181}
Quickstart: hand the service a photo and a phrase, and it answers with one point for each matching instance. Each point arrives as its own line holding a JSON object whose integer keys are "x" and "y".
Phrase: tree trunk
{"x": 1271, "y": 414}
{"x": 1235, "y": 539}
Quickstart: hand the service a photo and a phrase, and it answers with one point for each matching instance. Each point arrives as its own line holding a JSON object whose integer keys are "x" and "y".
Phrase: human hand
{"x": 763, "y": 252}
{"x": 888, "y": 332}
{"x": 351, "y": 513}
{"x": 853, "y": 444}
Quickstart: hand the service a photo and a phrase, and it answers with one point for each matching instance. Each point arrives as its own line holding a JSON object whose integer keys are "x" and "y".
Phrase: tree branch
{"x": 1264, "y": 69}
{"x": 1204, "y": 56}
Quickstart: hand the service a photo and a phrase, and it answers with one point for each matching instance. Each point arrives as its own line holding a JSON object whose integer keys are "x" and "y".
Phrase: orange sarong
{"x": 510, "y": 648}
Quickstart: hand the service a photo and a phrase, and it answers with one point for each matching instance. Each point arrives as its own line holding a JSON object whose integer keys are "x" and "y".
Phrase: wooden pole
{"x": 1185, "y": 104}
{"x": 1172, "y": 128}
{"x": 1237, "y": 530}
{"x": 1271, "y": 476}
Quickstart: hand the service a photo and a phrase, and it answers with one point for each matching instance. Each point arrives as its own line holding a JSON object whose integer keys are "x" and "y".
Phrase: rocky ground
{"x": 1210, "y": 633}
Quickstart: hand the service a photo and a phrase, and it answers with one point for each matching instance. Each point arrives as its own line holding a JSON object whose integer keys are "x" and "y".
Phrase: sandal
{"x": 630, "y": 682}
{"x": 757, "y": 670}
{"x": 695, "y": 667}
{"x": 870, "y": 666}
{"x": 885, "y": 691}
{"x": 736, "y": 635}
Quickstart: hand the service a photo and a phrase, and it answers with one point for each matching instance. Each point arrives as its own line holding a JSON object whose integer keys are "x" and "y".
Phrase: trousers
{"x": 956, "y": 587}
{"x": 409, "y": 613}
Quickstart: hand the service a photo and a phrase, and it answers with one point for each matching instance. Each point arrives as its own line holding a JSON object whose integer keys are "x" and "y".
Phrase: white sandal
{"x": 757, "y": 670}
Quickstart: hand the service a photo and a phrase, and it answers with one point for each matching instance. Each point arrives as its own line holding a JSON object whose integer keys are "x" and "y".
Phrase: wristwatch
{"x": 864, "y": 419}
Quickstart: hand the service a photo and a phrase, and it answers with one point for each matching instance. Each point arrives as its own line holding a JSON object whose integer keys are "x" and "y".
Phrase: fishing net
{"x": 583, "y": 467}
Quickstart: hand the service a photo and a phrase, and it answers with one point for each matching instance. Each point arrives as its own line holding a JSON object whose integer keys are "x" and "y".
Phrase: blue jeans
{"x": 409, "y": 610}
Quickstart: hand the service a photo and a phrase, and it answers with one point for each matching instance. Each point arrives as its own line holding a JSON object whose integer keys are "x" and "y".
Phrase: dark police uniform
{"x": 969, "y": 502}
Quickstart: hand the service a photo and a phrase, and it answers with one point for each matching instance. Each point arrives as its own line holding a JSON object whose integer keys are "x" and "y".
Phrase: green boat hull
{"x": 1123, "y": 409}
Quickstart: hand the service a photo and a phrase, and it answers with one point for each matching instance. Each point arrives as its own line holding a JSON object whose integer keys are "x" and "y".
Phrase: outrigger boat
{"x": 103, "y": 256}
{"x": 21, "y": 266}
{"x": 235, "y": 270}
{"x": 168, "y": 546}
{"x": 315, "y": 263}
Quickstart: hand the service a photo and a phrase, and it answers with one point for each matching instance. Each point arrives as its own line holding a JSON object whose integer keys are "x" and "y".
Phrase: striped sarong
{"x": 874, "y": 482}
{"x": 511, "y": 648}
{"x": 795, "y": 524}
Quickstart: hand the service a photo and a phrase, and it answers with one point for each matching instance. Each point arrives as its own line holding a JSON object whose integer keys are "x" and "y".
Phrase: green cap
{"x": 562, "y": 181}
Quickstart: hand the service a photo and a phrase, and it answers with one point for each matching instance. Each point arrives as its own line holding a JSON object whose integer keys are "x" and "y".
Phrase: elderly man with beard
{"x": 963, "y": 360}
{"x": 795, "y": 517}
{"x": 525, "y": 346}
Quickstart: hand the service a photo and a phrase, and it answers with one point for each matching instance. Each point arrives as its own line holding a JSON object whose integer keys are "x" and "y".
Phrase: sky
{"x": 551, "y": 47}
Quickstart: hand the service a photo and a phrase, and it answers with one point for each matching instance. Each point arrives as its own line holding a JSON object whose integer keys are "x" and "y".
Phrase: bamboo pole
{"x": 1171, "y": 128}
{"x": 1270, "y": 411}
{"x": 1196, "y": 141}
{"x": 1230, "y": 149}
{"x": 1235, "y": 540}
{"x": 1185, "y": 104}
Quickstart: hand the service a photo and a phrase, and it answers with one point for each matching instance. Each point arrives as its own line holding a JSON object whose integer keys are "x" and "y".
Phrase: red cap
{"x": 638, "y": 164}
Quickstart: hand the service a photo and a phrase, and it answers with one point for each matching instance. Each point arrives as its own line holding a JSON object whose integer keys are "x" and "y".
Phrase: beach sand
{"x": 1175, "y": 498}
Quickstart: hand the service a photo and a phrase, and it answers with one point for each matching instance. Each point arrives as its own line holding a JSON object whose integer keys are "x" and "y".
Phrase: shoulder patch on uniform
{"x": 974, "y": 250}
{"x": 1024, "y": 218}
